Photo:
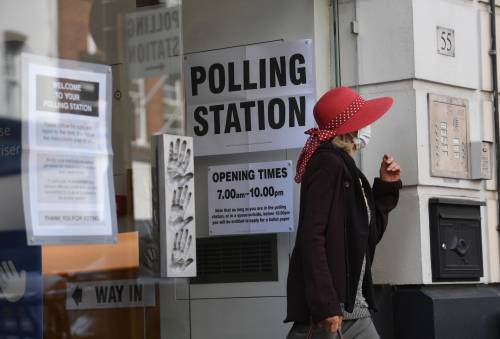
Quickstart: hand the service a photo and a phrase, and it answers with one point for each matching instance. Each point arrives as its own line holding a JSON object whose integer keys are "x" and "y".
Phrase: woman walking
{"x": 329, "y": 288}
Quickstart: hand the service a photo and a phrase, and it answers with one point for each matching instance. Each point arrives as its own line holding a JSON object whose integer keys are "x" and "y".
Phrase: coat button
{"x": 347, "y": 184}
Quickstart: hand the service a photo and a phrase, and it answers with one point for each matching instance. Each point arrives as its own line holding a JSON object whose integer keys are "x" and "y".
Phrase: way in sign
{"x": 110, "y": 294}
{"x": 114, "y": 293}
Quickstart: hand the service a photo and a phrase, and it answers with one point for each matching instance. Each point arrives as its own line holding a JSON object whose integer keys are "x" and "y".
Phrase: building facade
{"x": 437, "y": 269}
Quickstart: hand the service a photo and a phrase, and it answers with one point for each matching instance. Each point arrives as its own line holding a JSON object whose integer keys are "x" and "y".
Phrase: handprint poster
{"x": 176, "y": 205}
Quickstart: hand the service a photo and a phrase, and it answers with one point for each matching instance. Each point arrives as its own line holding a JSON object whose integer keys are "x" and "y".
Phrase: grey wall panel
{"x": 248, "y": 318}
{"x": 385, "y": 40}
{"x": 174, "y": 308}
{"x": 395, "y": 133}
{"x": 224, "y": 23}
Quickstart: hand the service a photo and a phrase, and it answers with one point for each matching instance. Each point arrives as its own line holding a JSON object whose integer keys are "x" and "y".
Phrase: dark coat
{"x": 333, "y": 235}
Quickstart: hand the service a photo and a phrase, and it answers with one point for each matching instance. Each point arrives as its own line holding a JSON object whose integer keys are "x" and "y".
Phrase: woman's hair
{"x": 344, "y": 141}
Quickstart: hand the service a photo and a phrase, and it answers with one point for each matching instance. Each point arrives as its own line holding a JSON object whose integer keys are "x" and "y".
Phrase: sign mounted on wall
{"x": 67, "y": 175}
{"x": 250, "y": 198}
{"x": 153, "y": 42}
{"x": 250, "y": 98}
{"x": 174, "y": 210}
{"x": 445, "y": 41}
{"x": 449, "y": 136}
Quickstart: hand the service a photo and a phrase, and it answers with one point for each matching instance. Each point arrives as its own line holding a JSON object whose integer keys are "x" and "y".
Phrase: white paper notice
{"x": 250, "y": 198}
{"x": 251, "y": 98}
{"x": 68, "y": 188}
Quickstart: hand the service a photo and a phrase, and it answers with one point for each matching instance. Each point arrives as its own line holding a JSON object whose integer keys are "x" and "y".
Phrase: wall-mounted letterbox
{"x": 455, "y": 229}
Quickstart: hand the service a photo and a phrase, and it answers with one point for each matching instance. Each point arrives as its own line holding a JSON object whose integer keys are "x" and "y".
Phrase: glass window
{"x": 123, "y": 61}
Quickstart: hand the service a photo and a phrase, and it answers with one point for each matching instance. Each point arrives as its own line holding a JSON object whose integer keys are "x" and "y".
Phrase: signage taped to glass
{"x": 88, "y": 295}
{"x": 67, "y": 179}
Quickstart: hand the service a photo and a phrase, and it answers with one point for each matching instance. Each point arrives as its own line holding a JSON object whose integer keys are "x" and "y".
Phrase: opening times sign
{"x": 251, "y": 98}
{"x": 250, "y": 198}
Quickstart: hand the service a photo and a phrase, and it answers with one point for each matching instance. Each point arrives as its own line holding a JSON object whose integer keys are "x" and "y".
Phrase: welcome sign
{"x": 67, "y": 181}
{"x": 250, "y": 98}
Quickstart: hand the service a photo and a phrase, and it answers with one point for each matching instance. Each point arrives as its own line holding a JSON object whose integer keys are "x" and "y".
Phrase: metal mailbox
{"x": 455, "y": 229}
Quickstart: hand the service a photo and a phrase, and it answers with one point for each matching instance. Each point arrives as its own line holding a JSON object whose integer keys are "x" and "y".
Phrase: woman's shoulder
{"x": 326, "y": 159}
{"x": 329, "y": 154}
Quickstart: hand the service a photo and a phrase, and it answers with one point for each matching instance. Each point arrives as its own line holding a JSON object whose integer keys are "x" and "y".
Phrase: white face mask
{"x": 364, "y": 135}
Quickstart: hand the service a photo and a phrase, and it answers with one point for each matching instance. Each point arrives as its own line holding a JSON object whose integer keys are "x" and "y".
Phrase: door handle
{"x": 460, "y": 246}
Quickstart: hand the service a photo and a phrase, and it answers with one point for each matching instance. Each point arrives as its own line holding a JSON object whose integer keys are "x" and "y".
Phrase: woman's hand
{"x": 331, "y": 324}
{"x": 389, "y": 169}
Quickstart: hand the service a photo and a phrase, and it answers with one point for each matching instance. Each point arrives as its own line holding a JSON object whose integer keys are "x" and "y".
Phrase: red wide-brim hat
{"x": 339, "y": 111}
{"x": 345, "y": 111}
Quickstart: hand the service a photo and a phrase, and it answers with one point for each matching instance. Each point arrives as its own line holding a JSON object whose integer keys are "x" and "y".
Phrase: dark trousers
{"x": 351, "y": 329}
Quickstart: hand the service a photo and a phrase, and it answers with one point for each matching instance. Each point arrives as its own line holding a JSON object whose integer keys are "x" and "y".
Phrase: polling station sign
{"x": 251, "y": 98}
{"x": 250, "y": 198}
{"x": 153, "y": 42}
{"x": 110, "y": 294}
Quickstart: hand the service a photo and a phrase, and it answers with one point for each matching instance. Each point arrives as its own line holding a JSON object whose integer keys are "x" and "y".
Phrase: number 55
{"x": 446, "y": 41}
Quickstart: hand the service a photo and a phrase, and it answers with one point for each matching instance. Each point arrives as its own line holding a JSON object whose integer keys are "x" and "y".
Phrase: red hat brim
{"x": 371, "y": 111}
